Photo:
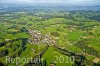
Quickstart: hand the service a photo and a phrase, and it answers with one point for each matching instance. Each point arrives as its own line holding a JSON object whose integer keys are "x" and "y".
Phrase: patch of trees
{"x": 97, "y": 18}
{"x": 90, "y": 50}
{"x": 55, "y": 33}
{"x": 10, "y": 41}
{"x": 17, "y": 47}
{"x": 70, "y": 23}
{"x": 70, "y": 16}
{"x": 97, "y": 64}
{"x": 44, "y": 63}
{"x": 79, "y": 59}
{"x": 4, "y": 52}
{"x": 16, "y": 53}
{"x": 22, "y": 23}
{"x": 79, "y": 62}
{"x": 81, "y": 24}
{"x": 23, "y": 29}
{"x": 87, "y": 28}
{"x": 12, "y": 26}
{"x": 2, "y": 64}
{"x": 24, "y": 42}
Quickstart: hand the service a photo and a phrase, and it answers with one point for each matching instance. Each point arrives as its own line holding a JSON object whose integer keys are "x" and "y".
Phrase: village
{"x": 38, "y": 38}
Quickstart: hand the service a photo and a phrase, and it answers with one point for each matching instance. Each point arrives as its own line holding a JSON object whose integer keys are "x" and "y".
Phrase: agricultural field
{"x": 53, "y": 38}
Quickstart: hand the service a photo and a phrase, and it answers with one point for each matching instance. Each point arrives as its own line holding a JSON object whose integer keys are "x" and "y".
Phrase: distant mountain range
{"x": 24, "y": 7}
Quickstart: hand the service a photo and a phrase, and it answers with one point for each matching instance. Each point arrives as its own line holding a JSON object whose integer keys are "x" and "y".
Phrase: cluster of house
{"x": 38, "y": 38}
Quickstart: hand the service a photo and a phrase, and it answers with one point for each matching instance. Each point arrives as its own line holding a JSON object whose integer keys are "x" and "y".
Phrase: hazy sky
{"x": 67, "y": 2}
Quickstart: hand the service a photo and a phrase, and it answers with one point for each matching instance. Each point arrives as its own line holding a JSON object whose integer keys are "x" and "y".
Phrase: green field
{"x": 25, "y": 35}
